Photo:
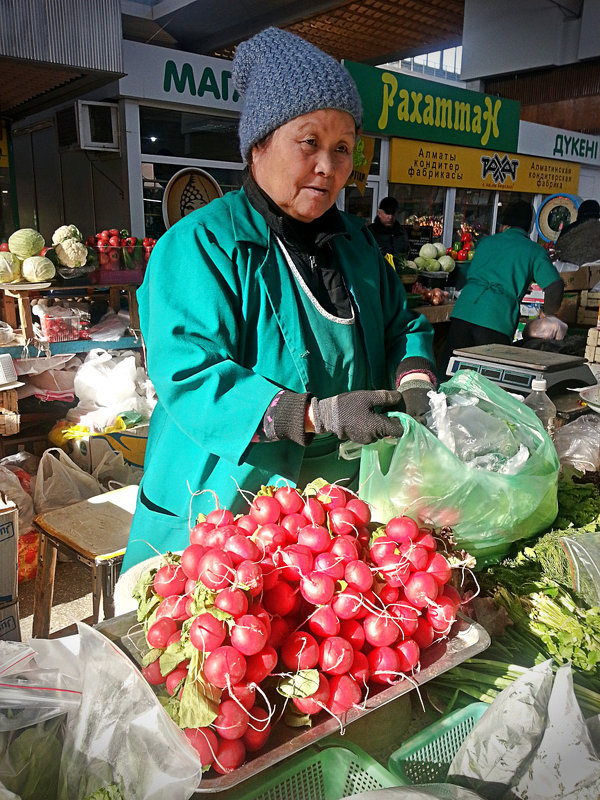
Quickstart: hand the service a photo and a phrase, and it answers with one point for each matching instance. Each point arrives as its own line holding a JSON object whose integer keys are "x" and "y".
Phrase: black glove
{"x": 352, "y": 416}
{"x": 416, "y": 402}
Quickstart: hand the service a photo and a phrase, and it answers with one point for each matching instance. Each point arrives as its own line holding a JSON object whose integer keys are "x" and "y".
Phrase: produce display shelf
{"x": 77, "y": 346}
{"x": 466, "y": 639}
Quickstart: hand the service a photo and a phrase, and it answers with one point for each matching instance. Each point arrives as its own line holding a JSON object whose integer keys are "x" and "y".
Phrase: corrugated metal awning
{"x": 51, "y": 50}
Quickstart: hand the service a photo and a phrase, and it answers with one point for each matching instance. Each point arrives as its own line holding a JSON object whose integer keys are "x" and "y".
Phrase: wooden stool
{"x": 95, "y": 531}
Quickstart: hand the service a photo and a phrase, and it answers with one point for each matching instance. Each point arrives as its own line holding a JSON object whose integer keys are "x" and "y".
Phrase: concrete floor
{"x": 72, "y": 600}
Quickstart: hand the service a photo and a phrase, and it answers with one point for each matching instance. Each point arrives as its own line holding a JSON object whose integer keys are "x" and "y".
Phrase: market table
{"x": 95, "y": 531}
{"x": 435, "y": 314}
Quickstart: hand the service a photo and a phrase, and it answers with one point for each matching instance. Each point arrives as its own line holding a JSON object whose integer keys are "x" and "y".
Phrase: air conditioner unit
{"x": 88, "y": 125}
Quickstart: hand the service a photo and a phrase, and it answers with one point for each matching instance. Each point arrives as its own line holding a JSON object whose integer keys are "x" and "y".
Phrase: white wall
{"x": 88, "y": 189}
{"x": 589, "y": 183}
{"x": 507, "y": 36}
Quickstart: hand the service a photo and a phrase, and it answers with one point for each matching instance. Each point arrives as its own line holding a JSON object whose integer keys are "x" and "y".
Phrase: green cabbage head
{"x": 25, "y": 242}
{"x": 38, "y": 268}
{"x": 10, "y": 268}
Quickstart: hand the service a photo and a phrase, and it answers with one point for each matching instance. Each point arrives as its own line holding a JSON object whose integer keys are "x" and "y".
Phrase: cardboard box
{"x": 593, "y": 337}
{"x": 568, "y": 308}
{"x": 87, "y": 452}
{"x": 590, "y": 299}
{"x": 9, "y": 540}
{"x": 576, "y": 280}
{"x": 587, "y": 316}
{"x": 593, "y": 275}
{"x": 10, "y": 629}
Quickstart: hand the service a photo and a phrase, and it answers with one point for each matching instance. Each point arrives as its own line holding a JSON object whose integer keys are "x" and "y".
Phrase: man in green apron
{"x": 497, "y": 279}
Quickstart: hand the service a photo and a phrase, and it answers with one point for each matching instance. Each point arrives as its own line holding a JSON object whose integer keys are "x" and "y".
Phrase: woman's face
{"x": 304, "y": 164}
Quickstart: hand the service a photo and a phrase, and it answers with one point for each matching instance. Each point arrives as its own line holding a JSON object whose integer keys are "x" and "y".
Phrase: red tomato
{"x": 113, "y": 232}
{"x": 4, "y": 247}
{"x": 104, "y": 236}
{"x": 462, "y": 255}
{"x": 114, "y": 241}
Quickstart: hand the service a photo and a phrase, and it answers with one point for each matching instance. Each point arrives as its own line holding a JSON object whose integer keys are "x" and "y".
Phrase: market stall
{"x": 495, "y": 608}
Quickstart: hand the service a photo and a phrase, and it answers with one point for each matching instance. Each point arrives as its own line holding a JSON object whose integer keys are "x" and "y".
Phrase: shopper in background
{"x": 579, "y": 242}
{"x": 588, "y": 210}
{"x": 389, "y": 234}
{"x": 496, "y": 280}
{"x": 274, "y": 328}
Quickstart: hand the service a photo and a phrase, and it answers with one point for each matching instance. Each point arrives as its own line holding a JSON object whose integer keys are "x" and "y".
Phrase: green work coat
{"x": 498, "y": 277}
{"x": 220, "y": 322}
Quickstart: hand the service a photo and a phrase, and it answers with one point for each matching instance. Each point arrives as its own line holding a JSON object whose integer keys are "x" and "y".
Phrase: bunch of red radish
{"x": 298, "y": 588}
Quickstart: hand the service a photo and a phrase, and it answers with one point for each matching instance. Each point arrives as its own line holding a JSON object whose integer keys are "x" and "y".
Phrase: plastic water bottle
{"x": 539, "y": 402}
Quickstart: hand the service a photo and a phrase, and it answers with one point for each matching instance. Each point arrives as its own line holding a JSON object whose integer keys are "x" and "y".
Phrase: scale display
{"x": 515, "y": 368}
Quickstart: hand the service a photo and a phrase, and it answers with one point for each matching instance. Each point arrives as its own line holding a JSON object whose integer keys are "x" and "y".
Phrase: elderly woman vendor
{"x": 274, "y": 328}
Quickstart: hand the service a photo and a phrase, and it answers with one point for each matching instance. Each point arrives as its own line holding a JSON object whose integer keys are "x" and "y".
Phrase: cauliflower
{"x": 71, "y": 253}
{"x": 66, "y": 232}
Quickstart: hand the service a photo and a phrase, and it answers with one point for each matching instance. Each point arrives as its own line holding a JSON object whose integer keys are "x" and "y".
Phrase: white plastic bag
{"x": 107, "y": 384}
{"x": 532, "y": 742}
{"x": 112, "y": 471}
{"x": 565, "y": 756}
{"x": 11, "y": 487}
{"x": 104, "y": 380}
{"x": 110, "y": 327}
{"x": 60, "y": 482}
{"x": 489, "y": 760}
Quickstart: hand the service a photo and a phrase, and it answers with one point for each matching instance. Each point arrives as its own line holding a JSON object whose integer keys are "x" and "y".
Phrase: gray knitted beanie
{"x": 281, "y": 76}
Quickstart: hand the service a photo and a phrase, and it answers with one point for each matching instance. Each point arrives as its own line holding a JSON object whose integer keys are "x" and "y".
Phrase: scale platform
{"x": 514, "y": 368}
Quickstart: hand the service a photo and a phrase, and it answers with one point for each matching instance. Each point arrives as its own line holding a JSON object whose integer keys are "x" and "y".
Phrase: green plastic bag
{"x": 421, "y": 477}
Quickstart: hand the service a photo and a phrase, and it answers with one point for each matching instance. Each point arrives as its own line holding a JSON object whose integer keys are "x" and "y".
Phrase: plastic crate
{"x": 60, "y": 329}
{"x": 327, "y": 774}
{"x": 426, "y": 757}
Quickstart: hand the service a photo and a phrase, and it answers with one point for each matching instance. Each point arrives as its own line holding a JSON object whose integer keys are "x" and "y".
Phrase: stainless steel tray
{"x": 466, "y": 639}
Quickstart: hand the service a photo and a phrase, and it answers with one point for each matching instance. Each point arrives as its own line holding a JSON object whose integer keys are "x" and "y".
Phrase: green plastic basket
{"x": 327, "y": 774}
{"x": 426, "y": 757}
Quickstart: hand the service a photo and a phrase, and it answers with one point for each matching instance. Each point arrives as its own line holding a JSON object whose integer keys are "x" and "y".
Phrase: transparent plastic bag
{"x": 120, "y": 734}
{"x": 578, "y": 443}
{"x": 419, "y": 475}
{"x": 97, "y": 724}
{"x": 34, "y": 704}
{"x": 577, "y": 559}
{"x": 548, "y": 327}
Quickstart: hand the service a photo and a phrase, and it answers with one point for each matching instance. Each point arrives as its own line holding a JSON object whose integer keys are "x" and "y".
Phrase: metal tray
{"x": 591, "y": 397}
{"x": 466, "y": 639}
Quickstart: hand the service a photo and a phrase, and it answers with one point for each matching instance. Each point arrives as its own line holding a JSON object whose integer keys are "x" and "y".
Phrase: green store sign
{"x": 396, "y": 104}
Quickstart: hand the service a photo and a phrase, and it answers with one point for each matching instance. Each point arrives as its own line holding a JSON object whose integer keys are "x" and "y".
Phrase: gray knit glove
{"x": 415, "y": 396}
{"x": 352, "y": 415}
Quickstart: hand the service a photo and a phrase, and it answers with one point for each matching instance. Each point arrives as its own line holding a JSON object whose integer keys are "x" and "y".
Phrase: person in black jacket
{"x": 388, "y": 232}
{"x": 589, "y": 209}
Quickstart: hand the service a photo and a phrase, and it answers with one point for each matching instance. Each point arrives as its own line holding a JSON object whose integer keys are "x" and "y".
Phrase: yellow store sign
{"x": 442, "y": 165}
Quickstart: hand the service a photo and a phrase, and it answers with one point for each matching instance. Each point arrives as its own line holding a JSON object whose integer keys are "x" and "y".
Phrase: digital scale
{"x": 514, "y": 368}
